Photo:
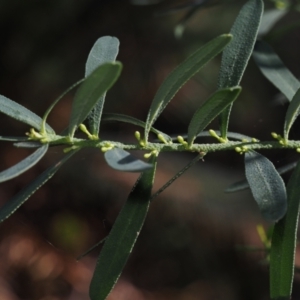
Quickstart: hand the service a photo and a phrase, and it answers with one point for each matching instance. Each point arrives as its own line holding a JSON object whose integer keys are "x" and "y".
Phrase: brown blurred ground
{"x": 188, "y": 247}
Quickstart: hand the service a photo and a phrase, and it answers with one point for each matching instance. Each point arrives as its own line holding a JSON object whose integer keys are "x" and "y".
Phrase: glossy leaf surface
{"x": 22, "y": 114}
{"x": 123, "y": 236}
{"x": 178, "y": 77}
{"x": 291, "y": 114}
{"x": 13, "y": 204}
{"x": 23, "y": 165}
{"x": 284, "y": 240}
{"x": 266, "y": 185}
{"x": 236, "y": 56}
{"x": 134, "y": 121}
{"x": 211, "y": 108}
{"x": 274, "y": 70}
{"x": 122, "y": 160}
{"x": 104, "y": 50}
{"x": 94, "y": 86}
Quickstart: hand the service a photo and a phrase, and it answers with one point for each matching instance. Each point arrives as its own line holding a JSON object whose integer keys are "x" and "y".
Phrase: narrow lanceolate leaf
{"x": 22, "y": 114}
{"x": 181, "y": 75}
{"x": 243, "y": 184}
{"x": 23, "y": 165}
{"x": 13, "y": 204}
{"x": 122, "y": 237}
{"x": 134, "y": 121}
{"x": 284, "y": 240}
{"x": 210, "y": 110}
{"x": 269, "y": 19}
{"x": 291, "y": 114}
{"x": 122, "y": 160}
{"x": 13, "y": 138}
{"x": 266, "y": 185}
{"x": 274, "y": 70}
{"x": 104, "y": 50}
{"x": 94, "y": 86}
{"x": 236, "y": 56}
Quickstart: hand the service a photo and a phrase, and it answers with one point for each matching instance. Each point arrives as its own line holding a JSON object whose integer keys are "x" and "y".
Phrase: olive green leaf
{"x": 266, "y": 185}
{"x": 243, "y": 184}
{"x": 274, "y": 70}
{"x": 123, "y": 236}
{"x": 291, "y": 114}
{"x": 211, "y": 108}
{"x": 122, "y": 160}
{"x": 269, "y": 19}
{"x": 179, "y": 76}
{"x": 13, "y": 204}
{"x": 284, "y": 240}
{"x": 23, "y": 165}
{"x": 104, "y": 50}
{"x": 22, "y": 114}
{"x": 88, "y": 94}
{"x": 235, "y": 57}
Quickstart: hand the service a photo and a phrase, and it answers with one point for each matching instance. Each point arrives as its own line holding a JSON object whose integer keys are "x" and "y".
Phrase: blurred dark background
{"x": 193, "y": 243}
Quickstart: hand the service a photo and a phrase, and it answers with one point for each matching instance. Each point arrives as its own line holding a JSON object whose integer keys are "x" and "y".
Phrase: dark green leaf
{"x": 94, "y": 86}
{"x": 274, "y": 70}
{"x": 23, "y": 165}
{"x": 243, "y": 184}
{"x": 13, "y": 204}
{"x": 236, "y": 56}
{"x": 176, "y": 176}
{"x": 122, "y": 160}
{"x": 104, "y": 50}
{"x": 291, "y": 114}
{"x": 22, "y": 114}
{"x": 211, "y": 108}
{"x": 178, "y": 77}
{"x": 284, "y": 241}
{"x": 266, "y": 185}
{"x": 123, "y": 235}
{"x": 134, "y": 121}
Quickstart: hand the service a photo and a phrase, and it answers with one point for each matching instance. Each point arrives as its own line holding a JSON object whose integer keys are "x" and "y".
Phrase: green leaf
{"x": 94, "y": 86}
{"x": 236, "y": 56}
{"x": 104, "y": 50}
{"x": 274, "y": 70}
{"x": 22, "y": 114}
{"x": 179, "y": 76}
{"x": 269, "y": 19}
{"x": 23, "y": 165}
{"x": 13, "y": 138}
{"x": 134, "y": 121}
{"x": 284, "y": 240}
{"x": 291, "y": 114}
{"x": 28, "y": 144}
{"x": 13, "y": 204}
{"x": 122, "y": 160}
{"x": 243, "y": 184}
{"x": 177, "y": 175}
{"x": 266, "y": 185}
{"x": 123, "y": 235}
{"x": 211, "y": 108}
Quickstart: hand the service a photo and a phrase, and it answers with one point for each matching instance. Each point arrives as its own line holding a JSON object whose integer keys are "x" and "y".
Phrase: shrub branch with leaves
{"x": 277, "y": 204}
